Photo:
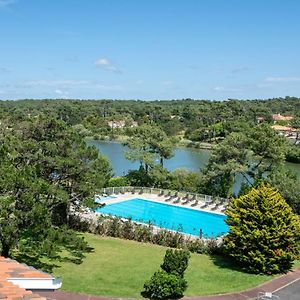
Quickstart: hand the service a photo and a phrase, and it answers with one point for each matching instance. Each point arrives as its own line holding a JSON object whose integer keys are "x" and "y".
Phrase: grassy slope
{"x": 120, "y": 268}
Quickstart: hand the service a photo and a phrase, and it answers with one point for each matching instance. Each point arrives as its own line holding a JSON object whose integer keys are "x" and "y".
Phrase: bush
{"x": 163, "y": 285}
{"x": 169, "y": 282}
{"x": 176, "y": 261}
{"x": 117, "y": 182}
{"x": 264, "y": 232}
{"x": 116, "y": 227}
{"x": 293, "y": 154}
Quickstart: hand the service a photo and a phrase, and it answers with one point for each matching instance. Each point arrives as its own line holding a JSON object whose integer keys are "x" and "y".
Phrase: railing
{"x": 163, "y": 192}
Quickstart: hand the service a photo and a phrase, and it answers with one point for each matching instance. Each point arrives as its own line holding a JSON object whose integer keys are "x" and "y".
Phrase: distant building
{"x": 260, "y": 119}
{"x": 286, "y": 131}
{"x": 114, "y": 124}
{"x": 279, "y": 117}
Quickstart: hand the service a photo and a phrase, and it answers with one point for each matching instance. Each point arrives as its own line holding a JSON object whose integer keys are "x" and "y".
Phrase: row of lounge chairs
{"x": 192, "y": 200}
{"x": 189, "y": 199}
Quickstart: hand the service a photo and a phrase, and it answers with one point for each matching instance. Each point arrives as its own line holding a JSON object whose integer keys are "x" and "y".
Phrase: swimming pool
{"x": 169, "y": 216}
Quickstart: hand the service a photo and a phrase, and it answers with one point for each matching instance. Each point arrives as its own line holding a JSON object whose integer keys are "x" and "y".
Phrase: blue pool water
{"x": 168, "y": 216}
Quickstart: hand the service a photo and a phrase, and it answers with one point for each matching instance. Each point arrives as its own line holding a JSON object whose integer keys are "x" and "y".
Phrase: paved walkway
{"x": 291, "y": 292}
{"x": 286, "y": 285}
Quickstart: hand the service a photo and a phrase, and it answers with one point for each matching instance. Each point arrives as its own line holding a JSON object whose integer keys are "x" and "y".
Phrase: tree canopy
{"x": 251, "y": 154}
{"x": 147, "y": 144}
{"x": 47, "y": 171}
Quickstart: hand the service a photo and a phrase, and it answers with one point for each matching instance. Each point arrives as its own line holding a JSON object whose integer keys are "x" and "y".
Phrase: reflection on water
{"x": 184, "y": 158}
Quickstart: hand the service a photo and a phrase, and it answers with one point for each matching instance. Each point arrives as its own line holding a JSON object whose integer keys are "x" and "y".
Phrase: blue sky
{"x": 149, "y": 49}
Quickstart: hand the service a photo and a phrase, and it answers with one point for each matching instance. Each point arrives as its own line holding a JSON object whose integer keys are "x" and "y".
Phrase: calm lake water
{"x": 184, "y": 158}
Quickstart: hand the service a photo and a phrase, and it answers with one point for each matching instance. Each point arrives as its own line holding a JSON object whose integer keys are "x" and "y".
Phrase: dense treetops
{"x": 173, "y": 116}
{"x": 47, "y": 171}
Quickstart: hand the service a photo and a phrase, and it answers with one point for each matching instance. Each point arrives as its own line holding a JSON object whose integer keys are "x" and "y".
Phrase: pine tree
{"x": 264, "y": 232}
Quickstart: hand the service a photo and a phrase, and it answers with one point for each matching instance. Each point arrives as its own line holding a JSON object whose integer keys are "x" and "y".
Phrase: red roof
{"x": 279, "y": 117}
{"x": 11, "y": 269}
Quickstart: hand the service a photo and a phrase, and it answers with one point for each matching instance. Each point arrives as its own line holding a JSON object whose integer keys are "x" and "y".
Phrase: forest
{"x": 195, "y": 119}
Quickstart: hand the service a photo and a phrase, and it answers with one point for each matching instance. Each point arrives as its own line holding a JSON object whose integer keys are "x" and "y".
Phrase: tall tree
{"x": 147, "y": 144}
{"x": 47, "y": 171}
{"x": 251, "y": 154}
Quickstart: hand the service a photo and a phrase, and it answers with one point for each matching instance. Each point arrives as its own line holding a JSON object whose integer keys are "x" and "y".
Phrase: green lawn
{"x": 119, "y": 268}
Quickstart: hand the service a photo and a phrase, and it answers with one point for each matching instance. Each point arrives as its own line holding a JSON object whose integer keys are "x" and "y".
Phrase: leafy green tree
{"x": 251, "y": 154}
{"x": 117, "y": 181}
{"x": 264, "y": 232}
{"x": 184, "y": 180}
{"x": 47, "y": 172}
{"x": 287, "y": 183}
{"x": 147, "y": 144}
{"x": 229, "y": 158}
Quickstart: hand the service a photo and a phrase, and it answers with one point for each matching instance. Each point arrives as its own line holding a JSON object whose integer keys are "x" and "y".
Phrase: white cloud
{"x": 282, "y": 79}
{"x": 4, "y": 3}
{"x": 105, "y": 64}
{"x": 225, "y": 89}
{"x": 62, "y": 94}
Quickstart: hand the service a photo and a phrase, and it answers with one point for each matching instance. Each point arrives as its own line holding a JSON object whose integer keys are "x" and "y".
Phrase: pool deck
{"x": 200, "y": 206}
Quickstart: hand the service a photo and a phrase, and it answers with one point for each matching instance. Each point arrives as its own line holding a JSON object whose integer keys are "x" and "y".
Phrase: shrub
{"x": 169, "y": 282}
{"x": 116, "y": 227}
{"x": 163, "y": 285}
{"x": 176, "y": 261}
{"x": 264, "y": 232}
{"x": 117, "y": 182}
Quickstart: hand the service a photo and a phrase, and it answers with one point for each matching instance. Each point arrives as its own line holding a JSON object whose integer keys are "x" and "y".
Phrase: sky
{"x": 149, "y": 49}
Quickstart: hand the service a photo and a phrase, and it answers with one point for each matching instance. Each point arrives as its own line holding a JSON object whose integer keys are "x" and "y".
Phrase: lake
{"x": 184, "y": 158}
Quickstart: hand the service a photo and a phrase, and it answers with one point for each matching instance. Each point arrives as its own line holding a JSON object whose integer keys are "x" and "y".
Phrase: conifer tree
{"x": 264, "y": 232}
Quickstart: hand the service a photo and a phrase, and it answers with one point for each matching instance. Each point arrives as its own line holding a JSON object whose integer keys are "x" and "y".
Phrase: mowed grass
{"x": 119, "y": 268}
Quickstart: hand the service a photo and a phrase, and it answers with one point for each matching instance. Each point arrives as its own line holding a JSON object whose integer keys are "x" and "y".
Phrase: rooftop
{"x": 279, "y": 117}
{"x": 18, "y": 281}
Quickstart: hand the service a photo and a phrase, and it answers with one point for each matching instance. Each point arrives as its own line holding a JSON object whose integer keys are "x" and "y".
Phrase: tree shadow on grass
{"x": 224, "y": 262}
{"x": 34, "y": 261}
{"x": 48, "y": 263}
{"x": 75, "y": 256}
